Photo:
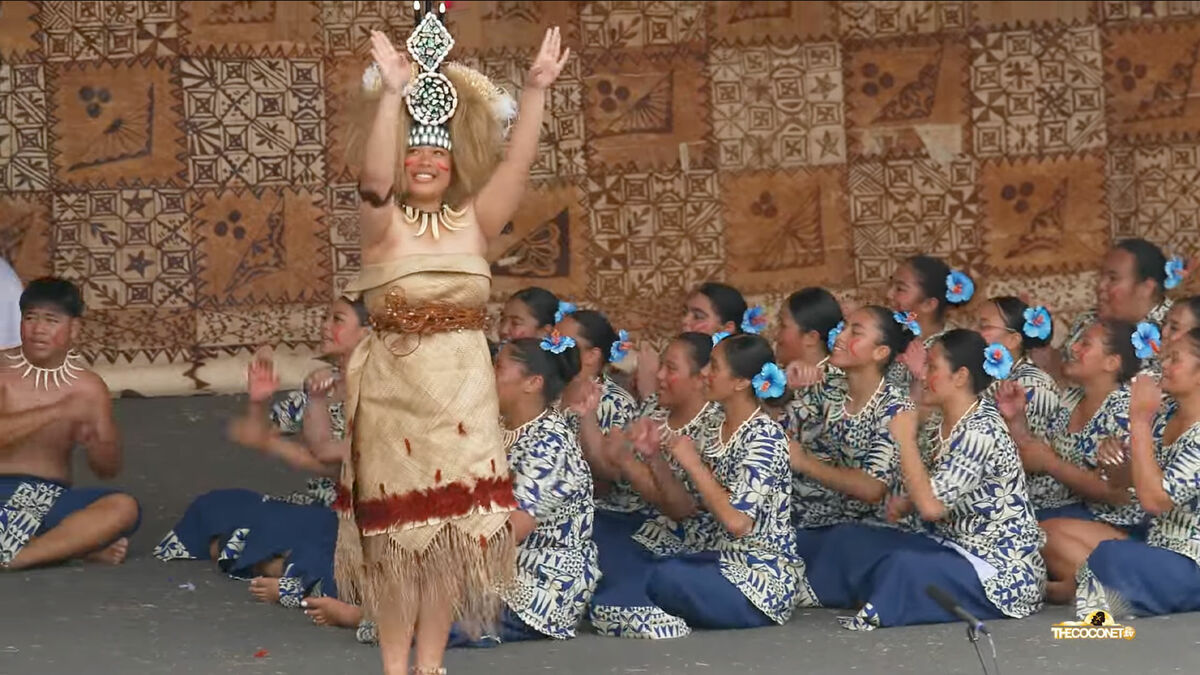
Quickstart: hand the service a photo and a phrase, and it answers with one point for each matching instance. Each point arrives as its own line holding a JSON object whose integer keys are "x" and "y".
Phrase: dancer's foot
{"x": 332, "y": 612}
{"x": 265, "y": 589}
{"x": 113, "y": 554}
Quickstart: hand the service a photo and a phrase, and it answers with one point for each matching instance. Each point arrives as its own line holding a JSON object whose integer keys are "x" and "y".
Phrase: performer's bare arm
{"x": 98, "y": 433}
{"x": 498, "y": 200}
{"x": 379, "y": 158}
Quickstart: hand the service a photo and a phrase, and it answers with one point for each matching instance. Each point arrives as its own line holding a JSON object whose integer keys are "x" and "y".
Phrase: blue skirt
{"x": 692, "y": 588}
{"x": 810, "y": 541}
{"x": 621, "y": 606}
{"x": 31, "y": 506}
{"x": 250, "y": 530}
{"x": 1127, "y": 578}
{"x": 885, "y": 571}
{"x": 1136, "y": 532}
{"x": 511, "y": 628}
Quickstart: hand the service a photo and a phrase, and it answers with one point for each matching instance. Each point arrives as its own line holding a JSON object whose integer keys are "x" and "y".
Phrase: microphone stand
{"x": 973, "y": 638}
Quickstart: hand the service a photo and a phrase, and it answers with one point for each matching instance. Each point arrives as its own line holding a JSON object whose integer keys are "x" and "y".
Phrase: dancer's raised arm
{"x": 501, "y": 195}
{"x": 378, "y": 176}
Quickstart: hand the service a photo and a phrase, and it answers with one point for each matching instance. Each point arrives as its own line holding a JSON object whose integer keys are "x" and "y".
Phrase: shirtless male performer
{"x": 48, "y": 405}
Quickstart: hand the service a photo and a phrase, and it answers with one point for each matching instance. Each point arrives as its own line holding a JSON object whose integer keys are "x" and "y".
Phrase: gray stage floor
{"x": 137, "y": 619}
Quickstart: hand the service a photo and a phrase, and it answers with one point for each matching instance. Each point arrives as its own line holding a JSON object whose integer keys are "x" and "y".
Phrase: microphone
{"x": 947, "y": 603}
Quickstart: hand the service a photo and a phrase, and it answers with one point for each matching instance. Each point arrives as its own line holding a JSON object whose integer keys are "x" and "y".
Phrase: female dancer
{"x": 528, "y": 313}
{"x": 680, "y": 407}
{"x": 1131, "y": 288}
{"x": 809, "y": 323}
{"x": 1161, "y": 575}
{"x": 738, "y": 567}
{"x": 854, "y": 455}
{"x": 1182, "y": 318}
{"x": 1010, "y": 322}
{"x": 556, "y": 559}
{"x": 983, "y": 539}
{"x": 925, "y": 287}
{"x": 426, "y": 496}
{"x": 1065, "y": 471}
{"x": 286, "y": 543}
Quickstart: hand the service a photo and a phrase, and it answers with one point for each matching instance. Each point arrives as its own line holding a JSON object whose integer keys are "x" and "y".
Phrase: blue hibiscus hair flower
{"x": 718, "y": 336}
{"x": 770, "y": 382}
{"x": 1147, "y": 340}
{"x": 909, "y": 321}
{"x": 754, "y": 320}
{"x": 997, "y": 361}
{"x": 557, "y": 343}
{"x": 1176, "y": 271}
{"x": 1038, "y": 323}
{"x": 565, "y": 309}
{"x": 621, "y": 348}
{"x": 834, "y": 333}
{"x": 959, "y": 287}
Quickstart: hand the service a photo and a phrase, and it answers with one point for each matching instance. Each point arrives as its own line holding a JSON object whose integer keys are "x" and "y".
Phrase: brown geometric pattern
{"x": 900, "y": 93}
{"x": 127, "y": 248}
{"x": 1044, "y": 216}
{"x": 108, "y": 29}
{"x": 1037, "y": 91}
{"x": 245, "y": 28}
{"x": 778, "y": 106}
{"x": 786, "y": 230}
{"x": 188, "y": 163}
{"x": 1152, "y": 77}
{"x": 901, "y": 207}
{"x": 117, "y": 124}
{"x": 24, "y": 139}
{"x": 254, "y": 121}
{"x": 1154, "y": 192}
{"x": 890, "y": 18}
{"x": 644, "y": 109}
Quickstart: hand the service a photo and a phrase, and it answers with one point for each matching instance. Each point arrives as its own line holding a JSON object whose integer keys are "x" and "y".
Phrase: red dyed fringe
{"x": 444, "y": 502}
{"x": 343, "y": 500}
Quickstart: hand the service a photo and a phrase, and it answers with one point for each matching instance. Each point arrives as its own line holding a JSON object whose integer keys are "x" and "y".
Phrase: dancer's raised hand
{"x": 394, "y": 68}
{"x": 549, "y": 62}
{"x": 261, "y": 381}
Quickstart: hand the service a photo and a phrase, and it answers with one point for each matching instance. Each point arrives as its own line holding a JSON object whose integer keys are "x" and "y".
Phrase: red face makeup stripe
{"x": 409, "y": 161}
{"x": 852, "y": 346}
{"x": 442, "y": 165}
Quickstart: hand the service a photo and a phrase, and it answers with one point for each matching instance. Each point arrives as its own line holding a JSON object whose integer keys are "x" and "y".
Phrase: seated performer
{"x": 1021, "y": 329}
{"x": 1162, "y": 574}
{"x": 850, "y": 451}
{"x": 285, "y": 543}
{"x": 924, "y": 287}
{"x": 1076, "y": 503}
{"x": 530, "y": 312}
{"x": 735, "y": 565}
{"x": 556, "y": 559}
{"x": 679, "y": 408}
{"x": 49, "y": 403}
{"x": 1182, "y": 318}
{"x": 1132, "y": 288}
{"x": 982, "y": 540}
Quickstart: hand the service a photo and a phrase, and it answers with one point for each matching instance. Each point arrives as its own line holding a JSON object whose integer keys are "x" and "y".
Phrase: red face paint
{"x": 411, "y": 160}
{"x": 335, "y": 334}
{"x": 852, "y": 346}
{"x": 442, "y": 165}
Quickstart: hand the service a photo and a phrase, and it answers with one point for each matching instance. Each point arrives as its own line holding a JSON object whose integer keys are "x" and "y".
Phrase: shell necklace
{"x": 63, "y": 374}
{"x": 944, "y": 442}
{"x": 451, "y": 219}
{"x": 722, "y": 444}
{"x": 511, "y": 436}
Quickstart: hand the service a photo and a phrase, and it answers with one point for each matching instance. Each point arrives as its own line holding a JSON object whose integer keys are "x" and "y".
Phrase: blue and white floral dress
{"x": 862, "y": 441}
{"x": 1042, "y": 400}
{"x": 1051, "y": 498}
{"x": 1162, "y": 574}
{"x": 557, "y": 566}
{"x": 984, "y": 551}
{"x": 621, "y": 607}
{"x": 251, "y": 528}
{"x": 710, "y": 578}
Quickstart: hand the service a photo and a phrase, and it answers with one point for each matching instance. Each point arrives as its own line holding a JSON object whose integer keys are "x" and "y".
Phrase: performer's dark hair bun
{"x": 1117, "y": 341}
{"x": 965, "y": 349}
{"x": 931, "y": 276}
{"x": 815, "y": 308}
{"x": 1149, "y": 261}
{"x": 728, "y": 302}
{"x": 747, "y": 354}
{"x": 556, "y": 370}
{"x": 596, "y": 329}
{"x": 1012, "y": 312}
{"x": 893, "y": 335}
{"x": 542, "y": 304}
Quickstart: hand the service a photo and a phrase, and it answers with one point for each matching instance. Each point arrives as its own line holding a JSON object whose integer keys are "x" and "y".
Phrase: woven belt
{"x": 434, "y": 317}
